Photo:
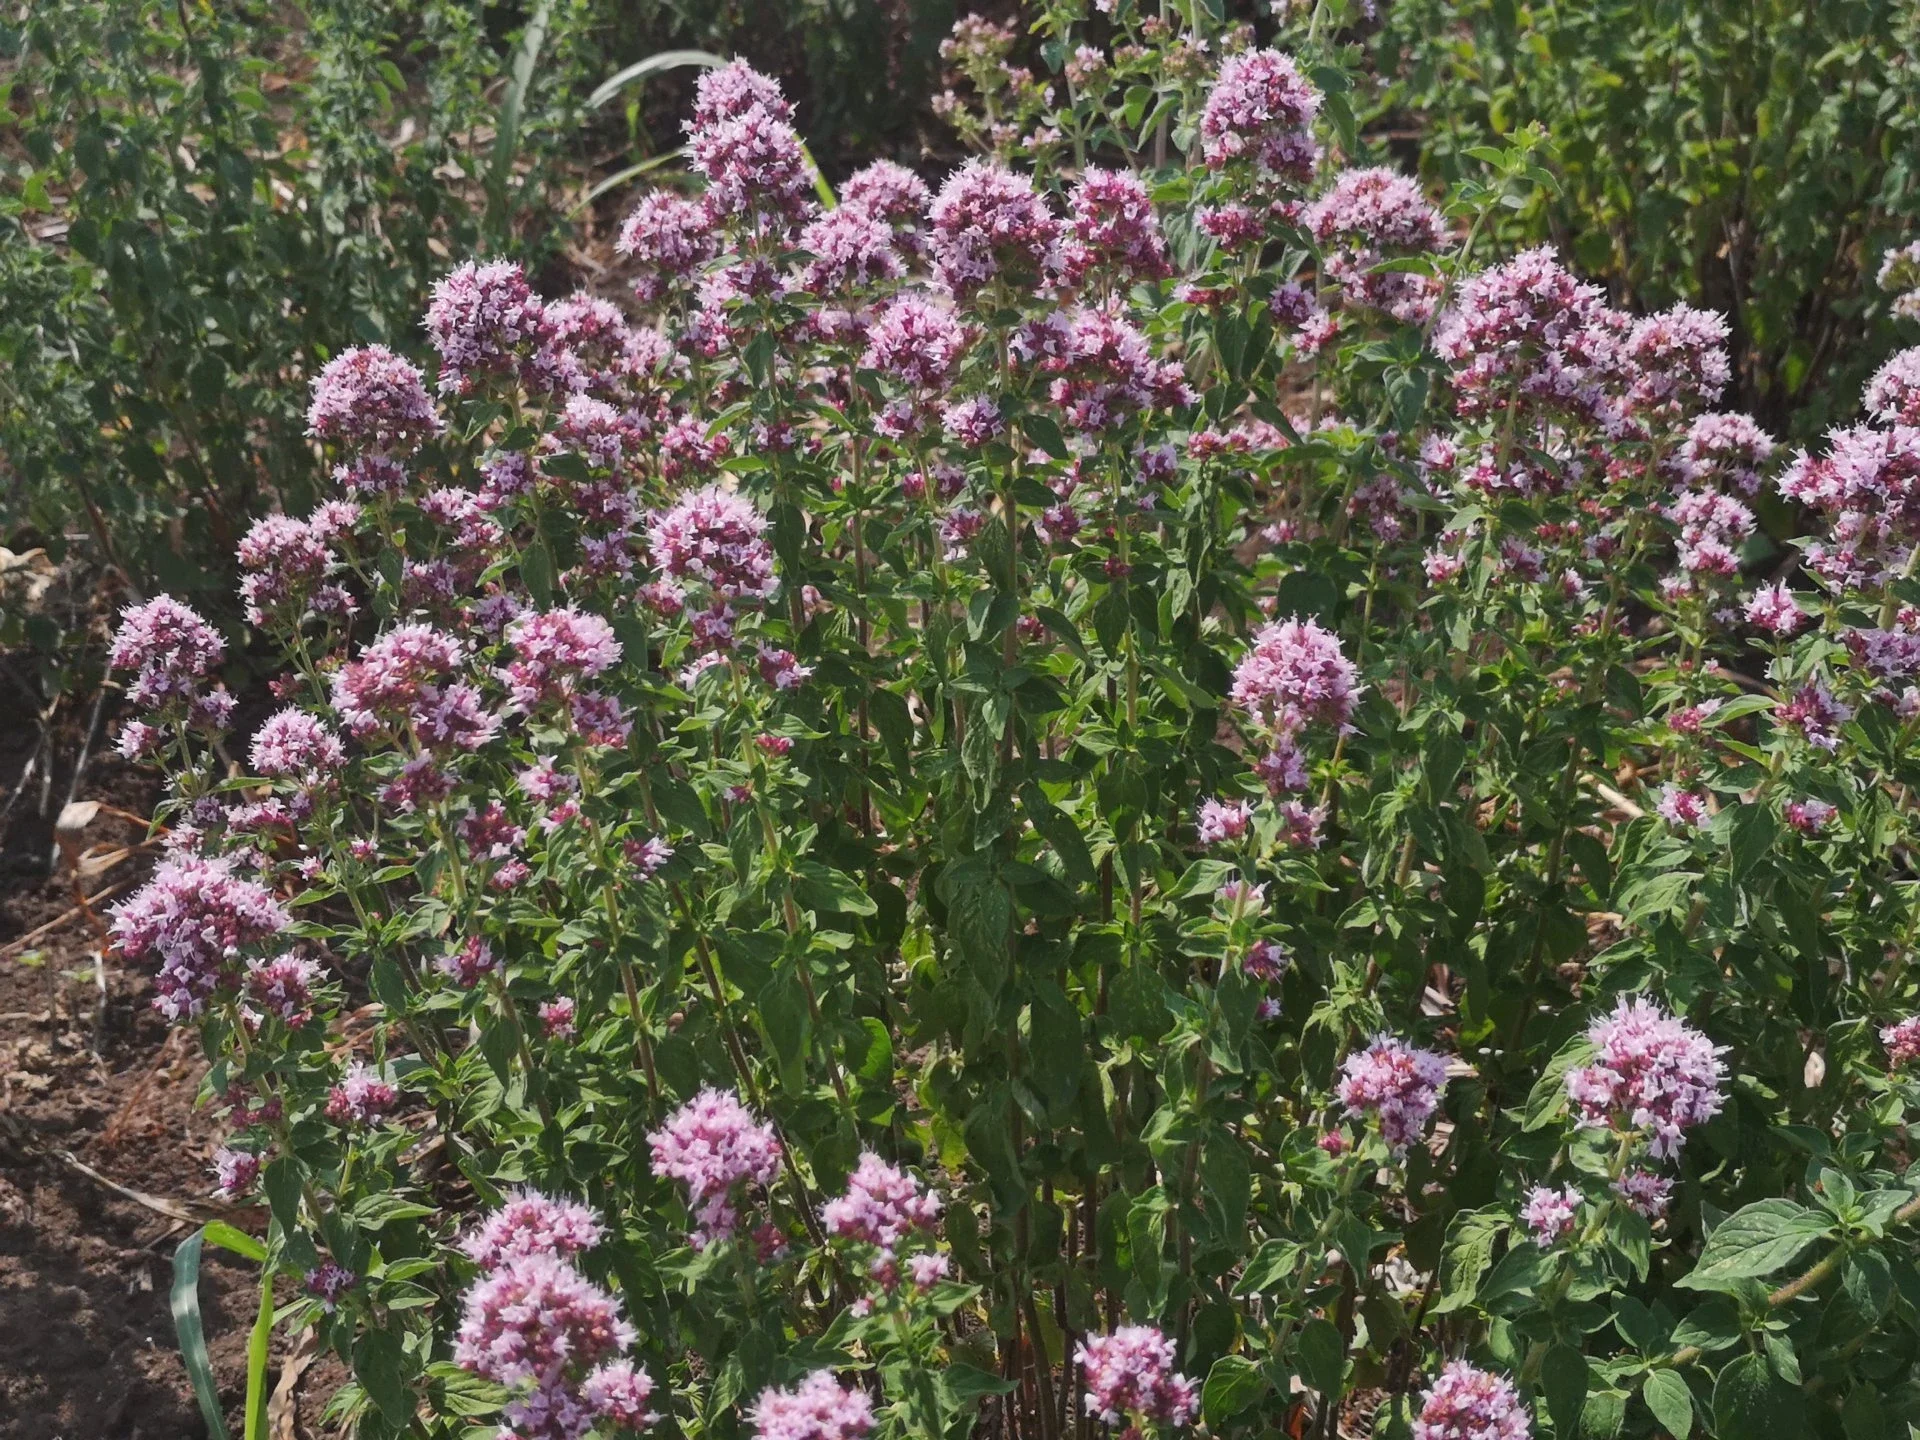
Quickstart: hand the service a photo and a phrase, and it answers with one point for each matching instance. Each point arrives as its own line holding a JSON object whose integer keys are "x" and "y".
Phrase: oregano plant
{"x": 1137, "y": 791}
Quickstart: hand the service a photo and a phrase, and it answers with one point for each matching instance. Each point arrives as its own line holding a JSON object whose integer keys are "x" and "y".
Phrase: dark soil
{"x": 95, "y": 1078}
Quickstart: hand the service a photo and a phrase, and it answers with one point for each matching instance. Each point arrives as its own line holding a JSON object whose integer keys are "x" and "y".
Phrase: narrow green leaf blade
{"x": 184, "y": 1301}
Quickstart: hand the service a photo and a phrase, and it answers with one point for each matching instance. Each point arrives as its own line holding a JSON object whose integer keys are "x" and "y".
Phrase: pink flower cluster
{"x": 670, "y": 237}
{"x": 291, "y": 743}
{"x": 1295, "y": 674}
{"x": 1653, "y": 1073}
{"x": 368, "y": 398}
{"x": 530, "y": 1223}
{"x": 362, "y": 1098}
{"x": 882, "y": 1207}
{"x": 714, "y": 1146}
{"x": 818, "y": 1408}
{"x": 1467, "y": 1403}
{"x": 534, "y": 1323}
{"x": 1396, "y": 1083}
{"x": 1550, "y": 1213}
{"x": 989, "y": 224}
{"x": 717, "y": 538}
{"x": 741, "y": 139}
{"x": 1371, "y": 216}
{"x": 171, "y": 650}
{"x": 406, "y": 677}
{"x": 1902, "y": 1039}
{"x": 1130, "y": 1376}
{"x": 1260, "y": 113}
{"x": 556, "y": 648}
{"x": 192, "y": 920}
{"x": 486, "y": 322}
{"x": 1113, "y": 230}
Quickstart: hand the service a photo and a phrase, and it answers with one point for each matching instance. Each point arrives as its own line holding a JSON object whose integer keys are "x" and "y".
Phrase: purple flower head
{"x": 990, "y": 224}
{"x": 618, "y": 1392}
{"x": 1374, "y": 215}
{"x": 1550, "y": 1213}
{"x": 472, "y": 962}
{"x": 1645, "y": 1192}
{"x": 1130, "y": 1377}
{"x": 283, "y": 985}
{"x": 1466, "y": 1403}
{"x": 741, "y": 139}
{"x": 1396, "y": 1082}
{"x": 557, "y": 1018}
{"x": 1260, "y": 113}
{"x": 669, "y": 237}
{"x": 362, "y": 1098}
{"x": 1902, "y": 1039}
{"x": 1810, "y": 816}
{"x": 234, "y": 1172}
{"x": 1678, "y": 358}
{"x": 406, "y": 678}
{"x": 917, "y": 343}
{"x": 882, "y": 1206}
{"x": 485, "y": 322}
{"x": 1221, "y": 821}
{"x": 528, "y": 1224}
{"x": 1294, "y": 674}
{"x": 328, "y": 1282}
{"x": 1529, "y": 326}
{"x": 1112, "y": 229}
{"x": 893, "y": 195}
{"x": 735, "y": 89}
{"x": 1682, "y": 809}
{"x": 851, "y": 250}
{"x": 818, "y": 1408}
{"x": 713, "y": 1145}
{"x": 292, "y": 743}
{"x": 1773, "y": 609}
{"x": 191, "y": 920}
{"x": 169, "y": 648}
{"x": 716, "y": 537}
{"x": 368, "y": 398}
{"x": 1725, "y": 446}
{"x": 1893, "y": 394}
{"x": 973, "y": 422}
{"x": 535, "y": 1318}
{"x": 555, "y": 649}
{"x": 1653, "y": 1073}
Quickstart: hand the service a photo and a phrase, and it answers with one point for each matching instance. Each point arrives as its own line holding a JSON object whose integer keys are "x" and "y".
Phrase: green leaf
{"x": 1714, "y": 1326}
{"x": 1563, "y": 1377}
{"x": 1670, "y": 1401}
{"x": 218, "y": 1232}
{"x": 259, "y": 1343}
{"x": 1749, "y": 1404}
{"x": 824, "y": 888}
{"x": 1471, "y": 1238}
{"x": 1322, "y": 1356}
{"x": 188, "y": 1325}
{"x": 1756, "y": 1240}
{"x": 1233, "y": 1384}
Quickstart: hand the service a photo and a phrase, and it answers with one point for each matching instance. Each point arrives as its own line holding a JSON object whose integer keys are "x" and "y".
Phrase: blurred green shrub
{"x": 1756, "y": 156}
{"x": 198, "y": 203}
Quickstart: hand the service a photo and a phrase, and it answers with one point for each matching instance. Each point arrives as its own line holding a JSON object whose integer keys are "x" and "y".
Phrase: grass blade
{"x": 619, "y": 178}
{"x": 507, "y": 143}
{"x": 184, "y": 1300}
{"x": 652, "y": 65}
{"x": 218, "y": 1232}
{"x": 258, "y": 1345}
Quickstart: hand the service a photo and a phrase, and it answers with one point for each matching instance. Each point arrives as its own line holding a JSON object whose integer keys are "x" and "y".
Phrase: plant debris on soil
{"x": 97, "y": 1107}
